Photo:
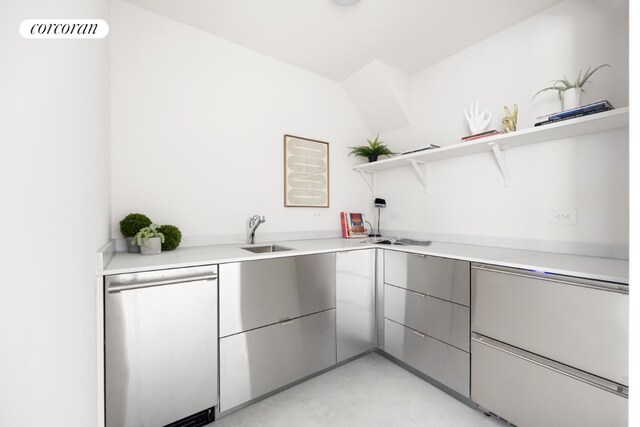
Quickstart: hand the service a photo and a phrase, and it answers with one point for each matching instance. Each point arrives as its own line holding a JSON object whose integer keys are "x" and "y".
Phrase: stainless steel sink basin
{"x": 266, "y": 249}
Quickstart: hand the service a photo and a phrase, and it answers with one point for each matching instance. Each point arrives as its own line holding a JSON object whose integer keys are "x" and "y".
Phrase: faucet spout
{"x": 254, "y": 223}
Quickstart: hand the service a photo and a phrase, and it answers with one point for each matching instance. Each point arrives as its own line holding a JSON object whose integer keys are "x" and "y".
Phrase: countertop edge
{"x": 222, "y": 254}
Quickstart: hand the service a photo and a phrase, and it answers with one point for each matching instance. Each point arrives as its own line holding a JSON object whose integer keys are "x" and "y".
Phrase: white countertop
{"x": 611, "y": 270}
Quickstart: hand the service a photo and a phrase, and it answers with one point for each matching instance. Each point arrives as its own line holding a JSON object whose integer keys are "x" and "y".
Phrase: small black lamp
{"x": 378, "y": 203}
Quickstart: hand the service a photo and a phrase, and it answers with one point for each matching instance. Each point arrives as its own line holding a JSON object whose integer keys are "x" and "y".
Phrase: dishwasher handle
{"x": 131, "y": 286}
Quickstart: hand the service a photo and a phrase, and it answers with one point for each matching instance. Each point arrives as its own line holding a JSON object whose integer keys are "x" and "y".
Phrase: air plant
{"x": 374, "y": 149}
{"x": 564, "y": 84}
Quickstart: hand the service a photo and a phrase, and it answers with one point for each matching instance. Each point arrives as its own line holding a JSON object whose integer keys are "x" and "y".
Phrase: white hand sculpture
{"x": 478, "y": 122}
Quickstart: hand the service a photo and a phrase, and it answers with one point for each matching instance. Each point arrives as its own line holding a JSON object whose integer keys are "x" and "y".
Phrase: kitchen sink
{"x": 268, "y": 248}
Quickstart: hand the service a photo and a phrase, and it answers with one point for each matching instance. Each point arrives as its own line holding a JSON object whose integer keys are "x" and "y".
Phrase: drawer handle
{"x": 592, "y": 284}
{"x": 128, "y": 287}
{"x": 421, "y": 295}
{"x": 421, "y": 335}
{"x": 285, "y": 322}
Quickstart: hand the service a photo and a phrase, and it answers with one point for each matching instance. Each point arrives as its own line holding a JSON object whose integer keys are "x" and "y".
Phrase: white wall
{"x": 197, "y": 132}
{"x": 587, "y": 174}
{"x": 54, "y": 112}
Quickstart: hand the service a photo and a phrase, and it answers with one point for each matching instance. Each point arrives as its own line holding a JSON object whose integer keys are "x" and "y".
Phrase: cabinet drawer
{"x": 532, "y": 392}
{"x": 567, "y": 320}
{"x": 440, "y": 277}
{"x": 262, "y": 360}
{"x": 440, "y": 361}
{"x": 437, "y": 318}
{"x": 259, "y": 293}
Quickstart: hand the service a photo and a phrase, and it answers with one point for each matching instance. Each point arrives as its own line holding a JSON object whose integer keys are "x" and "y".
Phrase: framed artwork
{"x": 306, "y": 172}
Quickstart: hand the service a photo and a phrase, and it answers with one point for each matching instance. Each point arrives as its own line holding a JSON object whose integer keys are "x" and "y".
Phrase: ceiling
{"x": 336, "y": 41}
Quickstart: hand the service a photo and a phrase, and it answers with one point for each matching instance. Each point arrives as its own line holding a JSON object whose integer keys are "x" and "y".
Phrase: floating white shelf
{"x": 498, "y": 145}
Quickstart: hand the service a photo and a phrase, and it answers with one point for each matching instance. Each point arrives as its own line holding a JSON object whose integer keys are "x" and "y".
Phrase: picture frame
{"x": 306, "y": 172}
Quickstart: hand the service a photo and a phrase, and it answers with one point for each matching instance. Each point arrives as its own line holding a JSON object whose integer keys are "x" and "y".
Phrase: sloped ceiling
{"x": 335, "y": 41}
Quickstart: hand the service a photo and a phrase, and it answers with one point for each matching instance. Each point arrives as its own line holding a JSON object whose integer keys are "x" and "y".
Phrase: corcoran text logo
{"x": 64, "y": 28}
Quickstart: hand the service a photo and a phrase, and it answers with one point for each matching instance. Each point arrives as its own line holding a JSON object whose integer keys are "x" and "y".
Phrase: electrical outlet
{"x": 563, "y": 216}
{"x": 317, "y": 215}
{"x": 395, "y": 216}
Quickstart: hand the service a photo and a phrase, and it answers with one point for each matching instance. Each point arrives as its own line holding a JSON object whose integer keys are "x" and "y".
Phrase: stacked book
{"x": 415, "y": 150}
{"x": 353, "y": 225}
{"x": 480, "y": 135}
{"x": 585, "y": 110}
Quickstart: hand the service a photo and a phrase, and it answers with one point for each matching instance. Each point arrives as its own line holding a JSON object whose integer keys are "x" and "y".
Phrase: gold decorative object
{"x": 510, "y": 120}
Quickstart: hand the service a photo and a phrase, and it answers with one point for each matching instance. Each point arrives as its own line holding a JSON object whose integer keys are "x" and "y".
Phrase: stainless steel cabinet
{"x": 262, "y": 360}
{"x": 440, "y": 361}
{"x": 355, "y": 302}
{"x": 530, "y": 391}
{"x": 578, "y": 322}
{"x": 427, "y": 316}
{"x": 439, "y": 277}
{"x": 549, "y": 349}
{"x": 443, "y": 320}
{"x": 259, "y": 293}
{"x": 161, "y": 346}
{"x": 277, "y": 324}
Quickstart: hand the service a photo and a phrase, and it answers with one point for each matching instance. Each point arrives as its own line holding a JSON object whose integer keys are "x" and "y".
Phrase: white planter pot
{"x": 571, "y": 98}
{"x": 151, "y": 247}
{"x": 132, "y": 248}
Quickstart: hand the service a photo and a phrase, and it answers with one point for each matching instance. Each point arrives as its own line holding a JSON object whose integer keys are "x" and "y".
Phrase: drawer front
{"x": 258, "y": 293}
{"x": 440, "y": 277}
{"x": 440, "y": 361}
{"x": 262, "y": 360}
{"x": 583, "y": 327}
{"x": 530, "y": 394}
{"x": 355, "y": 302}
{"x": 437, "y": 318}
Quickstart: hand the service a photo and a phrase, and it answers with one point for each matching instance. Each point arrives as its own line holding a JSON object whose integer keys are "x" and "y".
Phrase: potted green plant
{"x": 150, "y": 240}
{"x": 372, "y": 150}
{"x": 172, "y": 237}
{"x": 130, "y": 226}
{"x": 571, "y": 93}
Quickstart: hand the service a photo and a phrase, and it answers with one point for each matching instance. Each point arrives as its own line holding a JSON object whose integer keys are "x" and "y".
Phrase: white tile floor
{"x": 370, "y": 391}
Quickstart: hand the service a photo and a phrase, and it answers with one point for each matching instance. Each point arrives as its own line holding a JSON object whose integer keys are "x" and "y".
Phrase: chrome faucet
{"x": 254, "y": 222}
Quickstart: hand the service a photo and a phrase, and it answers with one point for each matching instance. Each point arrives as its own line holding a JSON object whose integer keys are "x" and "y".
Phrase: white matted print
{"x": 306, "y": 172}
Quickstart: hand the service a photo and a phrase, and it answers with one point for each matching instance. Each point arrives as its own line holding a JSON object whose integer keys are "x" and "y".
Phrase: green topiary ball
{"x": 133, "y": 223}
{"x": 172, "y": 237}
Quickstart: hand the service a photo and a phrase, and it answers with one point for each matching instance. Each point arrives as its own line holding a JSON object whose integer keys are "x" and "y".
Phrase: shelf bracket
{"x": 420, "y": 169}
{"x": 500, "y": 153}
{"x": 370, "y": 181}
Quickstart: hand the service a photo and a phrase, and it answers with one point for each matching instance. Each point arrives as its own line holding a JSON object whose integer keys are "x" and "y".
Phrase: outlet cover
{"x": 563, "y": 216}
{"x": 395, "y": 216}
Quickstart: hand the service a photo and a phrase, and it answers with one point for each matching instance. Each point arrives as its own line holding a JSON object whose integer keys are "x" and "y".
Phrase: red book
{"x": 480, "y": 135}
{"x": 343, "y": 221}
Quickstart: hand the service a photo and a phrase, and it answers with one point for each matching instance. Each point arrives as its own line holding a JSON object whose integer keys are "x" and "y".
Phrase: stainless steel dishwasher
{"x": 161, "y": 351}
